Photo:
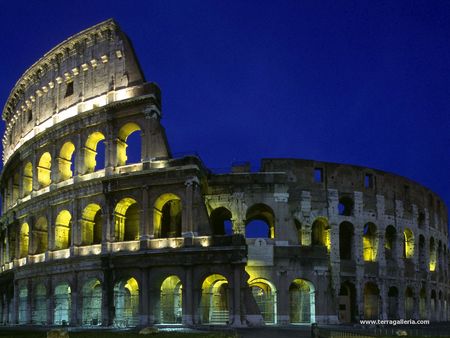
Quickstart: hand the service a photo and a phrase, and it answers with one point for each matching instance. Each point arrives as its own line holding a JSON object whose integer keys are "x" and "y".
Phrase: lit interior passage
{"x": 62, "y": 304}
{"x": 433, "y": 255}
{"x": 127, "y": 149}
{"x": 346, "y": 245}
{"x": 408, "y": 244}
{"x": 66, "y": 161}
{"x": 126, "y": 220}
{"x": 15, "y": 192}
{"x": 320, "y": 233}
{"x": 92, "y": 154}
{"x": 63, "y": 230}
{"x": 221, "y": 223}
{"x": 91, "y": 225}
{"x": 23, "y": 305}
{"x": 409, "y": 303}
{"x": 91, "y": 313}
{"x": 264, "y": 294}
{"x": 260, "y": 222}
{"x": 27, "y": 182}
{"x": 371, "y": 301}
{"x": 302, "y": 306}
{"x": 40, "y": 236}
{"x": 167, "y": 214}
{"x": 24, "y": 240}
{"x": 44, "y": 170}
{"x": 171, "y": 301}
{"x": 214, "y": 302}
{"x": 126, "y": 303}
{"x": 370, "y": 242}
{"x": 39, "y": 308}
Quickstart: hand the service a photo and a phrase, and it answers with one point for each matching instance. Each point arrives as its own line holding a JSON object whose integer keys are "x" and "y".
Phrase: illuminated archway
{"x": 91, "y": 151}
{"x": 433, "y": 255}
{"x": 126, "y": 220}
{"x": 370, "y": 242}
{"x": 214, "y": 302}
{"x": 371, "y": 301}
{"x": 39, "y": 305}
{"x": 171, "y": 301}
{"x": 27, "y": 182}
{"x": 220, "y": 219}
{"x": 15, "y": 187}
{"x": 124, "y": 132}
{"x": 167, "y": 213}
{"x": 65, "y": 161}
{"x": 62, "y": 230}
{"x": 302, "y": 308}
{"x": 91, "y": 295}
{"x": 260, "y": 217}
{"x": 40, "y": 236}
{"x": 126, "y": 303}
{"x": 264, "y": 294}
{"x": 320, "y": 234}
{"x": 91, "y": 225}
{"x": 24, "y": 240}
{"x": 44, "y": 170}
{"x": 62, "y": 304}
{"x": 408, "y": 244}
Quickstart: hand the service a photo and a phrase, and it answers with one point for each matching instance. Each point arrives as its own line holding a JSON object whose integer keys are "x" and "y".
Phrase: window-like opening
{"x": 40, "y": 236}
{"x": 260, "y": 222}
{"x": 91, "y": 297}
{"x": 91, "y": 225}
{"x": 39, "y": 305}
{"x": 221, "y": 221}
{"x": 63, "y": 230}
{"x": 62, "y": 305}
{"x": 318, "y": 175}
{"x": 368, "y": 181}
{"x": 433, "y": 255}
{"x": 301, "y": 302}
{"x": 264, "y": 294}
{"x": 126, "y": 303}
{"x": 29, "y": 115}
{"x": 393, "y": 302}
{"x": 345, "y": 206}
{"x": 129, "y": 144}
{"x": 347, "y": 302}
{"x": 409, "y": 303}
{"x": 214, "y": 300}
{"x": 27, "y": 183}
{"x": 44, "y": 170}
{"x": 126, "y": 220}
{"x": 370, "y": 242}
{"x": 371, "y": 301}
{"x": 320, "y": 233}
{"x": 167, "y": 214}
{"x": 94, "y": 152}
{"x": 171, "y": 300}
{"x": 408, "y": 243}
{"x": 346, "y": 233}
{"x": 24, "y": 240}
{"x": 66, "y": 161}
{"x": 69, "y": 89}
{"x": 390, "y": 239}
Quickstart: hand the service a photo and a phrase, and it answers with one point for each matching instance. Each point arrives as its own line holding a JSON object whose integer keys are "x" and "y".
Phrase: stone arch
{"x": 124, "y": 132}
{"x": 370, "y": 242}
{"x": 302, "y": 308}
{"x": 23, "y": 304}
{"x": 214, "y": 308}
{"x": 371, "y": 301}
{"x": 127, "y": 220}
{"x": 40, "y": 235}
{"x": 62, "y": 304}
{"x": 27, "y": 181}
{"x": 409, "y": 303}
{"x": 63, "y": 230}
{"x": 91, "y": 225}
{"x": 39, "y": 305}
{"x": 44, "y": 170}
{"x": 433, "y": 255}
{"x": 24, "y": 240}
{"x": 260, "y": 216}
{"x": 390, "y": 242}
{"x": 347, "y": 302}
{"x": 91, "y": 298}
{"x": 221, "y": 223}
{"x": 320, "y": 234}
{"x": 66, "y": 160}
{"x": 167, "y": 215}
{"x": 126, "y": 303}
{"x": 408, "y": 243}
{"x": 298, "y": 228}
{"x": 392, "y": 308}
{"x": 265, "y": 295}
{"x": 93, "y": 141}
{"x": 346, "y": 241}
{"x": 171, "y": 300}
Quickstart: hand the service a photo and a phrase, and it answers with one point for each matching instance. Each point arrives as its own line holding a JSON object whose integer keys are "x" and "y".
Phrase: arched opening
{"x": 24, "y": 240}
{"x": 15, "y": 192}
{"x": 371, "y": 301}
{"x": 126, "y": 303}
{"x": 422, "y": 304}
{"x": 126, "y": 220}
{"x": 39, "y": 312}
{"x": 62, "y": 230}
{"x": 27, "y": 183}
{"x": 91, "y": 225}
{"x": 91, "y": 314}
{"x": 433, "y": 255}
{"x": 264, "y": 294}
{"x": 23, "y": 305}
{"x": 409, "y": 303}
{"x": 345, "y": 206}
{"x": 62, "y": 304}
{"x": 260, "y": 222}
{"x": 408, "y": 243}
{"x": 390, "y": 239}
{"x": 298, "y": 228}
{"x": 66, "y": 161}
{"x": 433, "y": 305}
{"x": 44, "y": 170}
{"x": 346, "y": 232}
{"x": 94, "y": 152}
{"x": 392, "y": 303}
{"x": 302, "y": 308}
{"x": 221, "y": 221}
{"x": 167, "y": 216}
{"x": 129, "y": 144}
{"x": 214, "y": 302}
{"x": 347, "y": 302}
{"x": 171, "y": 301}
{"x": 40, "y": 236}
{"x": 370, "y": 242}
{"x": 320, "y": 233}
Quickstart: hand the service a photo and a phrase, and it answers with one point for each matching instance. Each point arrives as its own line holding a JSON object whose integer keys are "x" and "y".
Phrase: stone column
{"x": 187, "y": 219}
{"x": 144, "y": 304}
{"x": 235, "y": 318}
{"x": 34, "y": 170}
{"x": 15, "y": 314}
{"x": 76, "y": 302}
{"x": 50, "y": 301}
{"x": 29, "y": 303}
{"x": 188, "y": 300}
{"x": 283, "y": 299}
{"x": 145, "y": 219}
{"x": 281, "y": 215}
{"x": 79, "y": 160}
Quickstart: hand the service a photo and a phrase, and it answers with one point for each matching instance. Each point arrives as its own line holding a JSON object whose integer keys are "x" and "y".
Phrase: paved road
{"x": 276, "y": 332}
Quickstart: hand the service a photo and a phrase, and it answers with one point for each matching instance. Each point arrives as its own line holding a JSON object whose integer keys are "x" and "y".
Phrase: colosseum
{"x": 89, "y": 238}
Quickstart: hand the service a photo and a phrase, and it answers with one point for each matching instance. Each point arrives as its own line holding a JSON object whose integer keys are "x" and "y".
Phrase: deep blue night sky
{"x": 361, "y": 82}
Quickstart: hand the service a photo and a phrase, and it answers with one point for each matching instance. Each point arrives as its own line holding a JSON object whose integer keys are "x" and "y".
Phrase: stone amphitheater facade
{"x": 89, "y": 240}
